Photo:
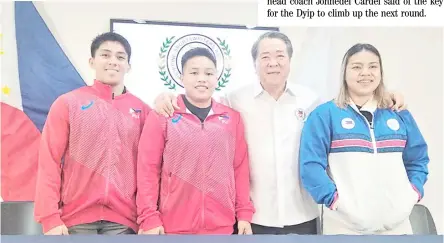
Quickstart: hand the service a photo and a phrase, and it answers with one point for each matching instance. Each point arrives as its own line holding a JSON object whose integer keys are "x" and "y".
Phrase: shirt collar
{"x": 216, "y": 108}
{"x": 290, "y": 88}
{"x": 258, "y": 89}
{"x": 211, "y": 112}
{"x": 369, "y": 106}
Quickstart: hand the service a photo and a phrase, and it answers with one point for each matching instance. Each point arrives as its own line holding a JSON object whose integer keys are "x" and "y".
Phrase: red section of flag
{"x": 19, "y": 148}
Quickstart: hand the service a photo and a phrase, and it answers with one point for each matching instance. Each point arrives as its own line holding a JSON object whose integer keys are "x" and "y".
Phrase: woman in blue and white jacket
{"x": 364, "y": 162}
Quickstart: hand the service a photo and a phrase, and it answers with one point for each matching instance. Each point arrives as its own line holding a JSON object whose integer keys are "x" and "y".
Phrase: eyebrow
{"x": 196, "y": 68}
{"x": 120, "y": 52}
{"x": 360, "y": 63}
{"x": 267, "y": 52}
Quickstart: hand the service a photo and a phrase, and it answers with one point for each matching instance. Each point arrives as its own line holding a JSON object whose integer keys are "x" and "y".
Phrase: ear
{"x": 129, "y": 68}
{"x": 91, "y": 62}
{"x": 255, "y": 64}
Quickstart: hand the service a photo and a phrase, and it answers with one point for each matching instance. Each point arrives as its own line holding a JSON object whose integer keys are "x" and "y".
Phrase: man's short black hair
{"x": 198, "y": 52}
{"x": 110, "y": 36}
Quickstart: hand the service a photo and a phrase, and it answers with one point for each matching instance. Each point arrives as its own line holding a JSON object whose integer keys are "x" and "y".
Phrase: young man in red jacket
{"x": 86, "y": 179}
{"x": 198, "y": 159}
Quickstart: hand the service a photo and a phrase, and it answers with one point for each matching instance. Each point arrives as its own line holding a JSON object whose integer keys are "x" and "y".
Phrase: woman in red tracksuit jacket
{"x": 198, "y": 159}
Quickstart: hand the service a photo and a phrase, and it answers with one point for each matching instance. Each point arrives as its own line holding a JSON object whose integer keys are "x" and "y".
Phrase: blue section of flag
{"x": 45, "y": 72}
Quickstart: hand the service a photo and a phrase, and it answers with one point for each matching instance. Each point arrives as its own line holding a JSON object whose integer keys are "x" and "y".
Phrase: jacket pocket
{"x": 164, "y": 201}
{"x": 342, "y": 211}
{"x": 66, "y": 188}
{"x": 353, "y": 216}
{"x": 403, "y": 206}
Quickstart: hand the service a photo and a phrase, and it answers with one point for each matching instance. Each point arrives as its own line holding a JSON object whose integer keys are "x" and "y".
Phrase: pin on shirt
{"x": 300, "y": 114}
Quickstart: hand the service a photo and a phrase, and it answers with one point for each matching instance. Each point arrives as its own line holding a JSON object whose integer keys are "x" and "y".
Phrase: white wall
{"x": 412, "y": 57}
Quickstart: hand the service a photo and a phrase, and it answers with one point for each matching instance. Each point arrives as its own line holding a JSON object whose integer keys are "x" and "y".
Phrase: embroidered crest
{"x": 300, "y": 114}
{"x": 224, "y": 118}
{"x": 135, "y": 112}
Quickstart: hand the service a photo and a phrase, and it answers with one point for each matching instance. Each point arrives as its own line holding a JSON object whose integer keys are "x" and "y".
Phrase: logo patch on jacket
{"x": 84, "y": 107}
{"x": 300, "y": 114}
{"x": 135, "y": 112}
{"x": 393, "y": 124}
{"x": 224, "y": 118}
{"x": 348, "y": 123}
{"x": 176, "y": 118}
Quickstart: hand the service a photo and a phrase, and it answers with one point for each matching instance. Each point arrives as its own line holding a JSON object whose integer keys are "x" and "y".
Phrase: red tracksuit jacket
{"x": 97, "y": 136}
{"x": 202, "y": 169}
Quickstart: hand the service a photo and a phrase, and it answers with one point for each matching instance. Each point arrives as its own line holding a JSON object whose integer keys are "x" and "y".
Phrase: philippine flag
{"x": 34, "y": 72}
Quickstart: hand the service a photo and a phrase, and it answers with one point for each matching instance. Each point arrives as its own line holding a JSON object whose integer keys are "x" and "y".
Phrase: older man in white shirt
{"x": 274, "y": 112}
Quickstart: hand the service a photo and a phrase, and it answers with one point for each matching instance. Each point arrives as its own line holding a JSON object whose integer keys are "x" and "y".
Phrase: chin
{"x": 111, "y": 81}
{"x": 365, "y": 92}
{"x": 201, "y": 97}
{"x": 276, "y": 81}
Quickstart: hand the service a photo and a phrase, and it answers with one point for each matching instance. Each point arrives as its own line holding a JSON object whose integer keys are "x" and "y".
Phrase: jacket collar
{"x": 258, "y": 89}
{"x": 106, "y": 91}
{"x": 369, "y": 106}
{"x": 216, "y": 107}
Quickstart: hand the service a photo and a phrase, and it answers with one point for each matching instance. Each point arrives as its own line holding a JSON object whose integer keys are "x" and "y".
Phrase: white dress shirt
{"x": 273, "y": 129}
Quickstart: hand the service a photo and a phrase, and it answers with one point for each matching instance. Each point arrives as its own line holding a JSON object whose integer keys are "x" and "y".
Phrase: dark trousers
{"x": 307, "y": 228}
{"x": 100, "y": 227}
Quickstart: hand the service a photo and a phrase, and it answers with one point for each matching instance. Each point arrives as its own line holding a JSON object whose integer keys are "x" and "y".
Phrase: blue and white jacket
{"x": 372, "y": 174}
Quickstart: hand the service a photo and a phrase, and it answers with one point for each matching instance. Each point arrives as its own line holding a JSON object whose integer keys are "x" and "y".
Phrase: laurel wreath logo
{"x": 223, "y": 80}
{"x": 162, "y": 64}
